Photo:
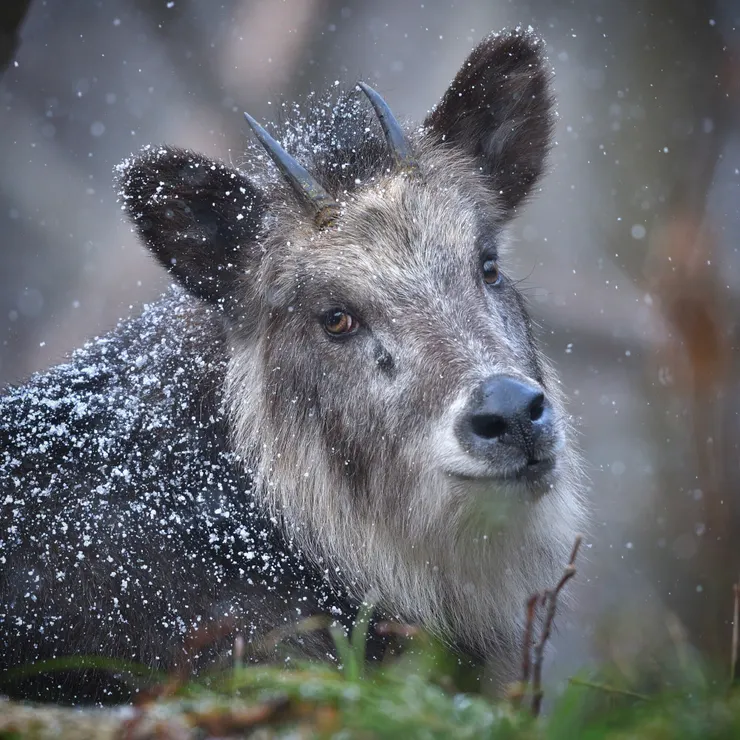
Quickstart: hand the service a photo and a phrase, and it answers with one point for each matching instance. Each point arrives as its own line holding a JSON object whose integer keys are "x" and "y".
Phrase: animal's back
{"x": 126, "y": 524}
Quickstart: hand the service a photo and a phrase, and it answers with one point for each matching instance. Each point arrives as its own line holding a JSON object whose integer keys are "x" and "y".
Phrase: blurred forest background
{"x": 629, "y": 254}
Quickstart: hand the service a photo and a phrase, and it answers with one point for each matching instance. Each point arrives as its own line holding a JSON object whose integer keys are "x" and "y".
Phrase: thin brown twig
{"x": 574, "y": 552}
{"x": 526, "y": 649}
{"x": 550, "y": 597}
{"x": 539, "y": 653}
{"x": 735, "y": 632}
{"x": 531, "y": 614}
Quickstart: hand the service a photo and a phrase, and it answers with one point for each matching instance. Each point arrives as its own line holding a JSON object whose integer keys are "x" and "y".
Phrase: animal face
{"x": 385, "y": 385}
{"x": 402, "y": 329}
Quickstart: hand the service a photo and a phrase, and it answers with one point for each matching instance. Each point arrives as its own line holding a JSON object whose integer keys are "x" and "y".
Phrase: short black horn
{"x": 325, "y": 208}
{"x": 394, "y": 135}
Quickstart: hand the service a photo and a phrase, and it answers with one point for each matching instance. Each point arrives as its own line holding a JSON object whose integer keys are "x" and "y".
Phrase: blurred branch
{"x": 684, "y": 275}
{"x": 735, "y": 632}
{"x": 12, "y": 13}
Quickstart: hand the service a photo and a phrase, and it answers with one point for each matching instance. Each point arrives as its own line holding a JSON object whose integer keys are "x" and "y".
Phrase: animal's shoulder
{"x": 124, "y": 406}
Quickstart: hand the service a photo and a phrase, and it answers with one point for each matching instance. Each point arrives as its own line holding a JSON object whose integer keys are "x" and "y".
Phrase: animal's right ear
{"x": 198, "y": 217}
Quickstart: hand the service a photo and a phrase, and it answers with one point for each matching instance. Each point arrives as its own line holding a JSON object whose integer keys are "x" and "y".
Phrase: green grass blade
{"x": 359, "y": 636}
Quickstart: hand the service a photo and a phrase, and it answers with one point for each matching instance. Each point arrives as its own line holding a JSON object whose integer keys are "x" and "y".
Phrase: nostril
{"x": 488, "y": 426}
{"x": 537, "y": 407}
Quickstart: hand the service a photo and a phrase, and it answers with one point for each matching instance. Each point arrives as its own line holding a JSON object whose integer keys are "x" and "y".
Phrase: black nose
{"x": 508, "y": 411}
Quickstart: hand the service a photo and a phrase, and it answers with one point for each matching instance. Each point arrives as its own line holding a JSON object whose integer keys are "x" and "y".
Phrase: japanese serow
{"x": 342, "y": 396}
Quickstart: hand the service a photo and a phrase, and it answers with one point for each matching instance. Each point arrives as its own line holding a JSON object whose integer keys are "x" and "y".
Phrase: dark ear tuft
{"x": 499, "y": 109}
{"x": 199, "y": 217}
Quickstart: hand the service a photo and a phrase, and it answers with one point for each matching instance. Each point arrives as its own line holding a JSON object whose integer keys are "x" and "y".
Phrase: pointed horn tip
{"x": 262, "y": 134}
{"x": 259, "y": 130}
{"x": 374, "y": 97}
{"x": 392, "y": 130}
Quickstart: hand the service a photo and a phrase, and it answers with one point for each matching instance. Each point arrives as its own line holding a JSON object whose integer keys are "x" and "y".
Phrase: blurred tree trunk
{"x": 12, "y": 13}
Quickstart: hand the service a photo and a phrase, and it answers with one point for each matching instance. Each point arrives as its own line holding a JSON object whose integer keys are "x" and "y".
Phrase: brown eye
{"x": 340, "y": 323}
{"x": 491, "y": 274}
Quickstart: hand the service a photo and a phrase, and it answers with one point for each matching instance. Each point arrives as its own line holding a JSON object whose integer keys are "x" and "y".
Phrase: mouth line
{"x": 530, "y": 472}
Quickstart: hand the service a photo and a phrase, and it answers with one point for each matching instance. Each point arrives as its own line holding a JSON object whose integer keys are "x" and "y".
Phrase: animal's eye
{"x": 339, "y": 323}
{"x": 491, "y": 274}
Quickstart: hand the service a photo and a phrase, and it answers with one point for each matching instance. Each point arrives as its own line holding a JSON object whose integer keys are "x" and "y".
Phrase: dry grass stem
{"x": 549, "y": 599}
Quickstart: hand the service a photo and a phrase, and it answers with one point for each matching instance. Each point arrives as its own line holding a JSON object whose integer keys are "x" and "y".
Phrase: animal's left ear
{"x": 499, "y": 110}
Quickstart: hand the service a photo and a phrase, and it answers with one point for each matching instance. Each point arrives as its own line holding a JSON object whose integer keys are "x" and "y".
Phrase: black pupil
{"x": 335, "y": 320}
{"x": 489, "y": 268}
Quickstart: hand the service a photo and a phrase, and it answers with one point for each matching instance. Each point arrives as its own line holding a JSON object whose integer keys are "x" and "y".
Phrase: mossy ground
{"x": 414, "y": 696}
